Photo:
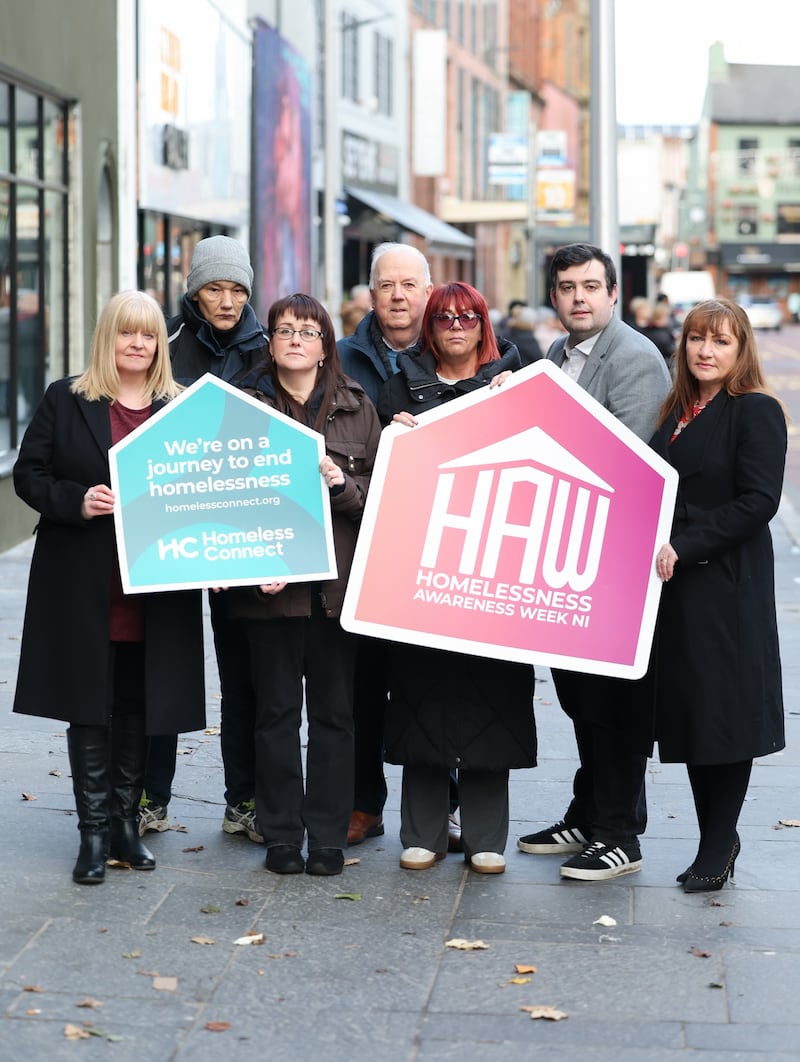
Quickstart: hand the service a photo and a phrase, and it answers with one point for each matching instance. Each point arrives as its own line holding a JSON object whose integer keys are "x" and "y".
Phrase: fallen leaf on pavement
{"x": 466, "y": 945}
{"x": 132, "y": 954}
{"x": 203, "y": 940}
{"x": 165, "y": 984}
{"x": 29, "y": 796}
{"x": 32, "y": 988}
{"x": 700, "y": 953}
{"x": 347, "y": 896}
{"x": 789, "y": 822}
{"x": 74, "y": 1032}
{"x": 715, "y": 984}
{"x": 196, "y": 848}
{"x": 250, "y": 938}
{"x": 520, "y": 981}
{"x": 243, "y": 902}
{"x": 352, "y": 861}
{"x": 92, "y": 1004}
{"x": 549, "y": 1013}
{"x": 524, "y": 968}
{"x": 55, "y": 773}
{"x": 33, "y": 1010}
{"x": 604, "y": 920}
{"x": 281, "y": 955}
{"x": 210, "y": 908}
{"x": 217, "y": 1026}
{"x": 212, "y": 730}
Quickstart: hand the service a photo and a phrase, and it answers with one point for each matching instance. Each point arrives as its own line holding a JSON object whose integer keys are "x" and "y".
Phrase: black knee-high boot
{"x": 89, "y": 762}
{"x": 128, "y": 753}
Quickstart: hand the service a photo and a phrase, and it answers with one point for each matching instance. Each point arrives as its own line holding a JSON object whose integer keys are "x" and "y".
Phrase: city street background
{"x": 358, "y": 967}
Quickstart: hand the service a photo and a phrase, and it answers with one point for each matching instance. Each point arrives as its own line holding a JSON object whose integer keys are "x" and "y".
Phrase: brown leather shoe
{"x": 453, "y": 835}
{"x": 363, "y": 826}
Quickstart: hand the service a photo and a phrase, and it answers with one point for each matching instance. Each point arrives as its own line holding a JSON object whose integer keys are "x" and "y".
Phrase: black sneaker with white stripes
{"x": 601, "y": 861}
{"x": 555, "y": 840}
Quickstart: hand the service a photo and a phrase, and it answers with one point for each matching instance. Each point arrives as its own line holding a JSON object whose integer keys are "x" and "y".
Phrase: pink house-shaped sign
{"x": 521, "y": 523}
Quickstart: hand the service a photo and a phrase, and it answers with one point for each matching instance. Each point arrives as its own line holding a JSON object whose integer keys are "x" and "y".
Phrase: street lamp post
{"x": 603, "y": 204}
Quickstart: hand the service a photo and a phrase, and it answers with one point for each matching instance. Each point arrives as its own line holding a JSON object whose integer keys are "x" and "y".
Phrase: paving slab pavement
{"x": 370, "y": 977}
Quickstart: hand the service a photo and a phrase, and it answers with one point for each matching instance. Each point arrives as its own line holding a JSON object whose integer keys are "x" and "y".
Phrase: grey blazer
{"x": 625, "y": 373}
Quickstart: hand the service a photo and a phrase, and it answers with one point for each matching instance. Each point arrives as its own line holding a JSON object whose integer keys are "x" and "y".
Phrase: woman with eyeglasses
{"x": 293, "y": 629}
{"x": 453, "y": 710}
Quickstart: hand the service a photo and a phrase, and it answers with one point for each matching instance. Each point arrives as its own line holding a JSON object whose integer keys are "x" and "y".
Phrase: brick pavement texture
{"x": 357, "y": 967}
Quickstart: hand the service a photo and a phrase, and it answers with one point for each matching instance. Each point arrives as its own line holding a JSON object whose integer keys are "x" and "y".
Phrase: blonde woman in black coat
{"x": 719, "y": 698}
{"x": 114, "y": 667}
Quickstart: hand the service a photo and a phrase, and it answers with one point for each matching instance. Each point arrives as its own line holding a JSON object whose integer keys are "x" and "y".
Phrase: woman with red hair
{"x": 452, "y": 710}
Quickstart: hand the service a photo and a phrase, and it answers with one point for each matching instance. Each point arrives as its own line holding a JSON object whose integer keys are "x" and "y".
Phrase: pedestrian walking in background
{"x": 293, "y": 631}
{"x": 216, "y": 331}
{"x": 114, "y": 667}
{"x": 521, "y": 332}
{"x": 719, "y": 702}
{"x": 448, "y": 709}
{"x": 612, "y": 717}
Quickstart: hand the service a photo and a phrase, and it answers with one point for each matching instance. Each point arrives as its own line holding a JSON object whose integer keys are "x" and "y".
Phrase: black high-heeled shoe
{"x": 713, "y": 883}
{"x": 680, "y": 878}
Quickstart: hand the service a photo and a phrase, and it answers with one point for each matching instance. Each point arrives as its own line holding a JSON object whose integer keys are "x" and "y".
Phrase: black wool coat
{"x": 718, "y": 677}
{"x": 64, "y": 667}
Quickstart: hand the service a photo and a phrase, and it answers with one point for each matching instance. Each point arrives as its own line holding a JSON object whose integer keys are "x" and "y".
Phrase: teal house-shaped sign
{"x": 219, "y": 489}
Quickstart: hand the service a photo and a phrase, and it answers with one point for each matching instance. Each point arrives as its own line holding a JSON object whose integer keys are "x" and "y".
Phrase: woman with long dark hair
{"x": 293, "y": 630}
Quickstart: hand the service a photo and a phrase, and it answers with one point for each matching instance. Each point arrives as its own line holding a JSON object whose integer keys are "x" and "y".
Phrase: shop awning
{"x": 441, "y": 237}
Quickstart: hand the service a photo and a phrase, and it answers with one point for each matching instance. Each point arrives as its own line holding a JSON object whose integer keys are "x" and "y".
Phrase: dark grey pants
{"x": 424, "y": 808}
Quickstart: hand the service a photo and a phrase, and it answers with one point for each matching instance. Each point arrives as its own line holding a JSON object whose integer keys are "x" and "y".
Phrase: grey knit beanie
{"x": 219, "y": 258}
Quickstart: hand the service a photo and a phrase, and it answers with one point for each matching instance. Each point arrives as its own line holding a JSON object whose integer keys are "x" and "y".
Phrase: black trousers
{"x": 425, "y": 802}
{"x": 238, "y": 714}
{"x": 284, "y": 652}
{"x": 613, "y": 721}
{"x": 370, "y": 698}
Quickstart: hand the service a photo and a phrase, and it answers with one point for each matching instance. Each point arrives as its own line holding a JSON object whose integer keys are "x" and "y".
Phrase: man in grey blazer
{"x": 613, "y": 718}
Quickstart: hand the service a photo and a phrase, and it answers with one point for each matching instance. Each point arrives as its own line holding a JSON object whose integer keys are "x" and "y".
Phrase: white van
{"x": 686, "y": 288}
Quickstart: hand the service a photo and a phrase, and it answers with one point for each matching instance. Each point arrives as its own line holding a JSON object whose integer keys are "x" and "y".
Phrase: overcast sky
{"x": 662, "y": 50}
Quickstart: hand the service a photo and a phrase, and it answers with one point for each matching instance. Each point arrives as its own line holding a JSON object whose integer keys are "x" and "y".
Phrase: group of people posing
{"x": 126, "y": 671}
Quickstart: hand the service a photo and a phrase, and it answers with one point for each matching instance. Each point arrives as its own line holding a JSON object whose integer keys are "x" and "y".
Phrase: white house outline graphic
{"x": 527, "y": 450}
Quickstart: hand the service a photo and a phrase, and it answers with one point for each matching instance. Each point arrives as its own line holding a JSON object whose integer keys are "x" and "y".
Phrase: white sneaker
{"x": 419, "y": 858}
{"x": 487, "y": 863}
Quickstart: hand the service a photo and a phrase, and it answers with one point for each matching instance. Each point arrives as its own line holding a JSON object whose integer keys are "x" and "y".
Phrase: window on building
{"x": 461, "y": 126}
{"x": 788, "y": 219}
{"x": 35, "y": 137}
{"x": 478, "y": 129}
{"x": 384, "y": 74}
{"x": 490, "y": 28}
{"x": 747, "y": 220}
{"x": 747, "y": 151}
{"x": 350, "y": 78}
{"x": 793, "y": 147}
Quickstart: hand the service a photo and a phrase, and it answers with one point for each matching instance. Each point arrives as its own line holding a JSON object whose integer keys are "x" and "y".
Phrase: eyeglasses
{"x": 308, "y": 335}
{"x": 468, "y": 320}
